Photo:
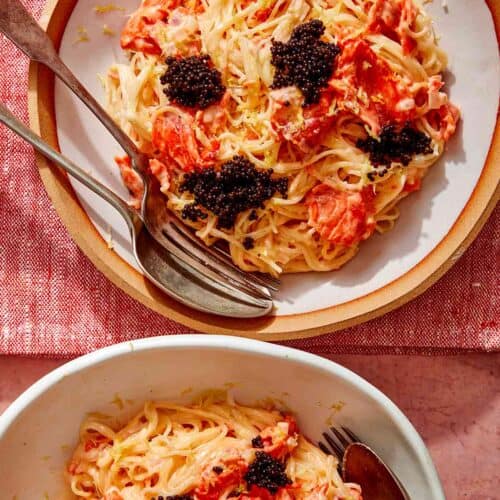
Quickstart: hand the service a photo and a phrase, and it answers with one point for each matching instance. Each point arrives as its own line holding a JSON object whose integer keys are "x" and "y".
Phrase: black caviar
{"x": 248, "y": 243}
{"x": 267, "y": 472}
{"x": 253, "y": 215}
{"x": 304, "y": 61}
{"x": 395, "y": 145}
{"x": 226, "y": 191}
{"x": 193, "y": 213}
{"x": 257, "y": 442}
{"x": 192, "y": 81}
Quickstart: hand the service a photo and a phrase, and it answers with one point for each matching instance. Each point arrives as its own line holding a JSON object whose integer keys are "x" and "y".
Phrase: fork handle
{"x": 17, "y": 24}
{"x": 8, "y": 119}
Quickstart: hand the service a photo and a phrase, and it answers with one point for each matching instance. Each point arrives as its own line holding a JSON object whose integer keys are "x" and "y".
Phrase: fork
{"x": 212, "y": 262}
{"x": 360, "y": 464}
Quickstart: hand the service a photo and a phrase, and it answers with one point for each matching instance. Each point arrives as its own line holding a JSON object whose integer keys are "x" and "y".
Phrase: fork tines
{"x": 255, "y": 284}
{"x": 338, "y": 441}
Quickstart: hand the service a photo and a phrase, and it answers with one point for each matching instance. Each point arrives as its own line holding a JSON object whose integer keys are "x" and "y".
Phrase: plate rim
{"x": 41, "y": 109}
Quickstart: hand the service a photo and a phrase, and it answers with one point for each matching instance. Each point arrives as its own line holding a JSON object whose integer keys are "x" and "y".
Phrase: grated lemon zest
{"x": 104, "y": 9}
{"x": 83, "y": 35}
{"x": 108, "y": 31}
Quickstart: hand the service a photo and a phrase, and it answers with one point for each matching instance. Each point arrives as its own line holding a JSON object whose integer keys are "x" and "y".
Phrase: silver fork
{"x": 19, "y": 26}
{"x": 360, "y": 464}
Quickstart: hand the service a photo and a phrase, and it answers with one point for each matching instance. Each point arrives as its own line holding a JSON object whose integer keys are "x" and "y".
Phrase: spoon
{"x": 362, "y": 466}
{"x": 169, "y": 273}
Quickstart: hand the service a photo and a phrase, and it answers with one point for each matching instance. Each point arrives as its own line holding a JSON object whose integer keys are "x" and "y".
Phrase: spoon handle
{"x": 17, "y": 24}
{"x": 8, "y": 119}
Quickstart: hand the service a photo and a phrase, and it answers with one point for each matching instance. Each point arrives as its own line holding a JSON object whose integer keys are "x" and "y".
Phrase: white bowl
{"x": 39, "y": 430}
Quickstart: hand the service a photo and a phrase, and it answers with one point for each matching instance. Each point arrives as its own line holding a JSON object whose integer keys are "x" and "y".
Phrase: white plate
{"x": 38, "y": 431}
{"x": 468, "y": 36}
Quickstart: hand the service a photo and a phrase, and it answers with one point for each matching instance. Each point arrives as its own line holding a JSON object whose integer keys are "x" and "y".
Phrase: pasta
{"x": 347, "y": 145}
{"x": 209, "y": 450}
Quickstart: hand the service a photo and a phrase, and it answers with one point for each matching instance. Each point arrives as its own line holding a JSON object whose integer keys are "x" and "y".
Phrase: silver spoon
{"x": 362, "y": 466}
{"x": 169, "y": 273}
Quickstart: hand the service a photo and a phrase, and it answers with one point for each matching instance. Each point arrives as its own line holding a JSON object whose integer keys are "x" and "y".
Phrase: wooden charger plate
{"x": 393, "y": 293}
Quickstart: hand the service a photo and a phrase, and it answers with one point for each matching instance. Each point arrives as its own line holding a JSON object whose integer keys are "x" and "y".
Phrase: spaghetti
{"x": 211, "y": 450}
{"x": 340, "y": 101}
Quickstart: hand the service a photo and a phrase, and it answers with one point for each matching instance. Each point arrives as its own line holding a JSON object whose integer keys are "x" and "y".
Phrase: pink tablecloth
{"x": 53, "y": 302}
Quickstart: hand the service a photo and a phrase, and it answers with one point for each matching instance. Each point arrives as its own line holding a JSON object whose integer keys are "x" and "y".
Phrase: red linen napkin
{"x": 54, "y": 303}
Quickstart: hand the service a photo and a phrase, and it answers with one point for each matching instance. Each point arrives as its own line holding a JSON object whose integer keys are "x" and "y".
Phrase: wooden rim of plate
{"x": 396, "y": 293}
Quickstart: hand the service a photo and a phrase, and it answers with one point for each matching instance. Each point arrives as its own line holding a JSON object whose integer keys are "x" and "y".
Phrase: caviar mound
{"x": 267, "y": 472}
{"x": 304, "y": 61}
{"x": 192, "y": 81}
{"x": 395, "y": 145}
{"x": 229, "y": 190}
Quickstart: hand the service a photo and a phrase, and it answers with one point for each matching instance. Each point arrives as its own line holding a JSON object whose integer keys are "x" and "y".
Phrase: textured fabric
{"x": 53, "y": 302}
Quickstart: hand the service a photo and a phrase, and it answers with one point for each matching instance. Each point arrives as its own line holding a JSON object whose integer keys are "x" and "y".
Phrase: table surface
{"x": 454, "y": 402}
